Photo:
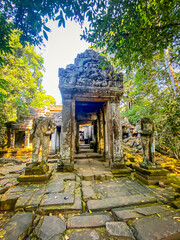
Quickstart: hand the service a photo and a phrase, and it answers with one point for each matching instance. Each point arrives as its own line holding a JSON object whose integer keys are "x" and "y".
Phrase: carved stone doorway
{"x": 91, "y": 95}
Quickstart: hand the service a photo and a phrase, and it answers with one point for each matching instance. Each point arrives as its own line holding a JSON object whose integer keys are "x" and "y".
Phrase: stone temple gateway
{"x": 91, "y": 95}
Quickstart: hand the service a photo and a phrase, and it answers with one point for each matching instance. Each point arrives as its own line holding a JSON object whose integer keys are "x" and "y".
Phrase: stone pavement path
{"x": 71, "y": 206}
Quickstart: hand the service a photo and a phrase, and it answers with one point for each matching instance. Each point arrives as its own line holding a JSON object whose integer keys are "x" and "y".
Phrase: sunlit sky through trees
{"x": 60, "y": 50}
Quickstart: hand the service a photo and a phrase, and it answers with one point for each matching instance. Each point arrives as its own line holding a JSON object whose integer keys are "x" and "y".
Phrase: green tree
{"x": 31, "y": 17}
{"x": 41, "y": 99}
{"x": 20, "y": 81}
{"x": 150, "y": 92}
{"x": 134, "y": 30}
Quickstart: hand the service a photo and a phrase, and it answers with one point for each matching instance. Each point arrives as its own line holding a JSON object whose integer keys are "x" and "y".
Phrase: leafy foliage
{"x": 20, "y": 82}
{"x": 31, "y": 17}
{"x": 134, "y": 30}
{"x": 5, "y": 31}
{"x": 150, "y": 92}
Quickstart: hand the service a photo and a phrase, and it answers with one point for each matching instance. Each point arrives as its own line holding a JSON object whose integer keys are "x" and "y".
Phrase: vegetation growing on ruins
{"x": 149, "y": 92}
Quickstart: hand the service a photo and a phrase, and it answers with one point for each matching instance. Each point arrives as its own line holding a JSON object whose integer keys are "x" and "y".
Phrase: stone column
{"x": 26, "y": 141}
{"x": 67, "y": 134}
{"x": 109, "y": 132}
{"x": 77, "y": 137}
{"x": 105, "y": 134}
{"x": 57, "y": 141}
{"x": 72, "y": 130}
{"x": 98, "y": 134}
{"x": 117, "y": 133}
{"x": 53, "y": 142}
{"x": 101, "y": 132}
{"x": 95, "y": 136}
{"x": 12, "y": 139}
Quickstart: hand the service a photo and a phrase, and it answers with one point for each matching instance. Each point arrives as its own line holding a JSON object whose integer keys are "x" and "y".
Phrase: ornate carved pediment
{"x": 87, "y": 73}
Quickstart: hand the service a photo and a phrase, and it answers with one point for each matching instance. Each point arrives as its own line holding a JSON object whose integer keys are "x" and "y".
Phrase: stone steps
{"x": 88, "y": 155}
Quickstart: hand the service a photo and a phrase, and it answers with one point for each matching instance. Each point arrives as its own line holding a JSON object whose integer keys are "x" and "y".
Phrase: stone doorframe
{"x": 84, "y": 82}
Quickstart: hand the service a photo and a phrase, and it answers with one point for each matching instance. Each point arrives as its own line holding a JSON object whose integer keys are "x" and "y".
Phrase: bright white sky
{"x": 61, "y": 49}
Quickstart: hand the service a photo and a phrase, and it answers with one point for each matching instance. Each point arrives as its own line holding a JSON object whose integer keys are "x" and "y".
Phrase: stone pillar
{"x": 109, "y": 132}
{"x": 117, "y": 133}
{"x": 95, "y": 136}
{"x": 105, "y": 134}
{"x": 67, "y": 134}
{"x": 12, "y": 139}
{"x": 98, "y": 134}
{"x": 90, "y": 132}
{"x": 57, "y": 149}
{"x": 26, "y": 141}
{"x": 77, "y": 137}
{"x": 72, "y": 131}
{"x": 101, "y": 132}
{"x": 53, "y": 142}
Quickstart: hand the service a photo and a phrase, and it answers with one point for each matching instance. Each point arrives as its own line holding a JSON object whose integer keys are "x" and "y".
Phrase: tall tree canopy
{"x": 31, "y": 17}
{"x": 134, "y": 30}
{"x": 20, "y": 81}
{"x": 149, "y": 91}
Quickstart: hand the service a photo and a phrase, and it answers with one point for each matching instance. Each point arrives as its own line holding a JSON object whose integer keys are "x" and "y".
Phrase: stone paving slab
{"x": 69, "y": 187}
{"x": 17, "y": 227}
{"x": 55, "y": 186}
{"x": 66, "y": 176}
{"x": 86, "y": 234}
{"x": 24, "y": 199}
{"x": 88, "y": 193}
{"x": 50, "y": 228}
{"x": 35, "y": 201}
{"x": 126, "y": 215}
{"x": 8, "y": 201}
{"x": 157, "y": 228}
{"x": 57, "y": 199}
{"x": 109, "y": 203}
{"x": 151, "y": 210}
{"x": 17, "y": 189}
{"x": 89, "y": 220}
{"x": 4, "y": 218}
{"x": 76, "y": 207}
{"x": 119, "y": 229}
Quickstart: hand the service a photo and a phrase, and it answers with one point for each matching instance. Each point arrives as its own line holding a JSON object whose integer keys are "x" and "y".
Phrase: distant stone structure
{"x": 18, "y": 133}
{"x": 91, "y": 95}
{"x": 43, "y": 127}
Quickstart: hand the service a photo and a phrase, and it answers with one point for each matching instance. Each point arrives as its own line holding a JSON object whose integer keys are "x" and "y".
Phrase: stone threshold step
{"x": 110, "y": 203}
